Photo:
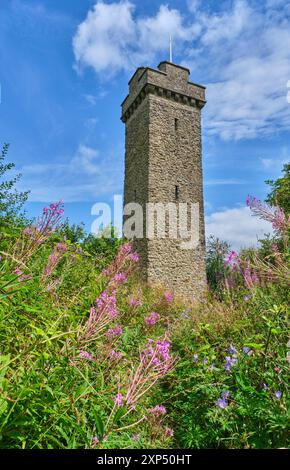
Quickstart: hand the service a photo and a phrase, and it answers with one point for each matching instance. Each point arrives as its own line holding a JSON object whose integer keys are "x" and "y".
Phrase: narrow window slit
{"x": 176, "y": 192}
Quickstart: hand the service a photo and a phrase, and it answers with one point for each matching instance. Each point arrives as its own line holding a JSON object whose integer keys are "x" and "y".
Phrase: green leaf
{"x": 119, "y": 414}
{"x": 100, "y": 427}
{"x": 255, "y": 345}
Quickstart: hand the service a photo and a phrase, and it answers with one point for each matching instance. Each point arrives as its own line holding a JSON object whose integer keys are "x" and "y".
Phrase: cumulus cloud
{"x": 103, "y": 38}
{"x": 111, "y": 39}
{"x": 237, "y": 226}
{"x": 240, "y": 52}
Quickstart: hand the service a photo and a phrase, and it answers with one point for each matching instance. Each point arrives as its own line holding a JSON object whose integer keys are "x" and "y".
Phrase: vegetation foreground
{"x": 91, "y": 357}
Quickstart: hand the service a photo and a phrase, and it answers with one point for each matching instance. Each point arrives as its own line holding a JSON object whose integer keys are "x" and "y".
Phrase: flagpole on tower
{"x": 170, "y": 48}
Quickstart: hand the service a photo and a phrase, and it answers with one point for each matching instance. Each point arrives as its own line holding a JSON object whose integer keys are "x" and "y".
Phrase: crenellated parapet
{"x": 159, "y": 82}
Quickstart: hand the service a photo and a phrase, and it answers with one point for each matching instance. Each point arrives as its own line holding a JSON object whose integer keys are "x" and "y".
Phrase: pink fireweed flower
{"x": 279, "y": 219}
{"x": 255, "y": 279}
{"x": 113, "y": 332}
{"x": 18, "y": 272}
{"x": 95, "y": 442}
{"x": 158, "y": 410}
{"x": 123, "y": 264}
{"x": 169, "y": 297}
{"x": 101, "y": 314}
{"x": 106, "y": 303}
{"x": 152, "y": 319}
{"x": 251, "y": 278}
{"x": 54, "y": 259}
{"x": 233, "y": 256}
{"x": 135, "y": 302}
{"x": 274, "y": 215}
{"x": 157, "y": 354}
{"x": 134, "y": 257}
{"x": 115, "y": 355}
{"x": 120, "y": 278}
{"x": 155, "y": 362}
{"x": 86, "y": 355}
{"x": 35, "y": 235}
{"x": 119, "y": 399}
{"x": 168, "y": 432}
{"x": 51, "y": 217}
{"x": 22, "y": 277}
{"x": 126, "y": 249}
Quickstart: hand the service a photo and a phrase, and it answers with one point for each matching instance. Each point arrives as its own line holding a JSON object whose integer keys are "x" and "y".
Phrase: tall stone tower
{"x": 163, "y": 164}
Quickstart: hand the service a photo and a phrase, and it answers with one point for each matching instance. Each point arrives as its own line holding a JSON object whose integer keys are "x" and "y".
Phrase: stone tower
{"x": 163, "y": 164}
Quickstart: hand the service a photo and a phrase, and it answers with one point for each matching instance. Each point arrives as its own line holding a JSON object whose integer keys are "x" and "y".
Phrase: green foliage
{"x": 280, "y": 192}
{"x": 53, "y": 399}
{"x": 11, "y": 201}
{"x": 216, "y": 251}
{"x": 254, "y": 416}
{"x": 75, "y": 233}
{"x": 103, "y": 247}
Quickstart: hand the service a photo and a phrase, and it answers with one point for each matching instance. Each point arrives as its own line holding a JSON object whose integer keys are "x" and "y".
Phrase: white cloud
{"x": 103, "y": 38}
{"x": 110, "y": 39}
{"x": 241, "y": 53}
{"x": 223, "y": 182}
{"x": 85, "y": 160}
{"x": 276, "y": 163}
{"x": 91, "y": 99}
{"x": 237, "y": 226}
{"x": 86, "y": 176}
{"x": 193, "y": 5}
{"x": 225, "y": 26}
{"x": 154, "y": 32}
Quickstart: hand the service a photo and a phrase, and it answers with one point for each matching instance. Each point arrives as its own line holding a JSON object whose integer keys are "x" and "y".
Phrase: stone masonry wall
{"x": 163, "y": 150}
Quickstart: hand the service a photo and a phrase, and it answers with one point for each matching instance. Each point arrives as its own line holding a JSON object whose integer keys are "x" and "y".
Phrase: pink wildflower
{"x": 169, "y": 297}
{"x": 135, "y": 302}
{"x": 86, "y": 355}
{"x": 231, "y": 257}
{"x": 107, "y": 303}
{"x": 54, "y": 259}
{"x": 126, "y": 249}
{"x": 117, "y": 331}
{"x": 120, "y": 278}
{"x": 158, "y": 410}
{"x": 155, "y": 362}
{"x": 104, "y": 311}
{"x": 119, "y": 399}
{"x": 95, "y": 441}
{"x": 115, "y": 355}
{"x": 274, "y": 215}
{"x": 168, "y": 432}
{"x": 152, "y": 319}
{"x": 123, "y": 264}
{"x": 134, "y": 257}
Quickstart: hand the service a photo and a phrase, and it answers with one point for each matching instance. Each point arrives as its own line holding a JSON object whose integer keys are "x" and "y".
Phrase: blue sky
{"x": 64, "y": 69}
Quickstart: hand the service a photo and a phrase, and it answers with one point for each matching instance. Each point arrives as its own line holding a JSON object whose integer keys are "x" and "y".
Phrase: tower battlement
{"x": 169, "y": 81}
{"x": 163, "y": 164}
